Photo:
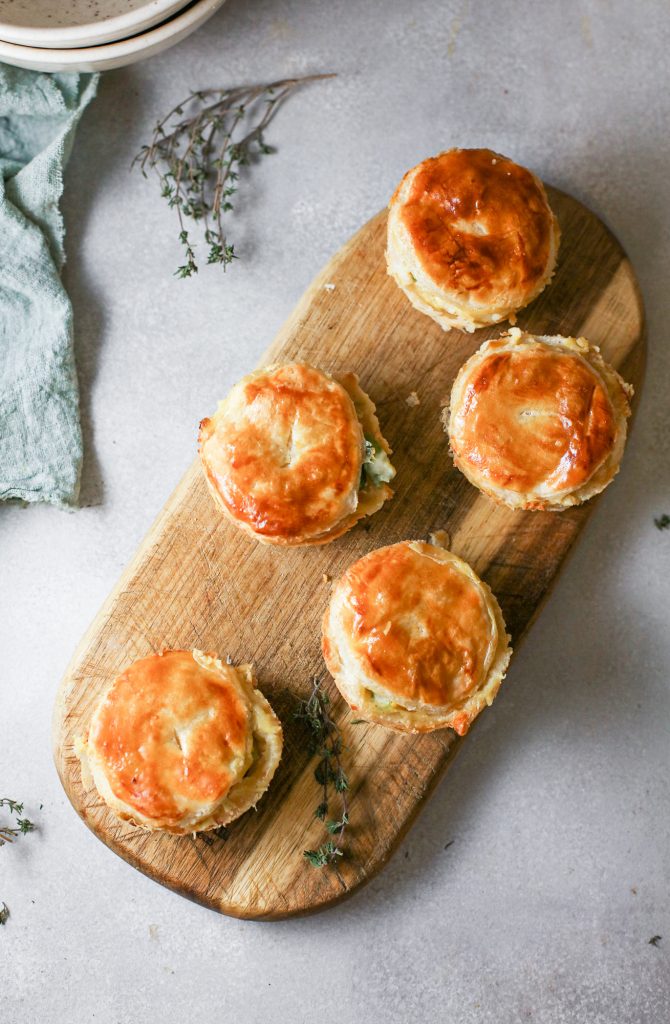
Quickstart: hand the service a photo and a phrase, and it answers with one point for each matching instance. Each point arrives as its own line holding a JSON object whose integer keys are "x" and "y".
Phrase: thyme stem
{"x": 197, "y": 158}
{"x": 326, "y": 741}
{"x": 8, "y": 833}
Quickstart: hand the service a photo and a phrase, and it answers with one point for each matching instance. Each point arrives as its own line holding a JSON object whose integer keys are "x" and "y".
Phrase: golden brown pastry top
{"x": 171, "y": 734}
{"x": 479, "y": 223}
{"x": 284, "y": 452}
{"x": 534, "y": 418}
{"x": 418, "y": 627}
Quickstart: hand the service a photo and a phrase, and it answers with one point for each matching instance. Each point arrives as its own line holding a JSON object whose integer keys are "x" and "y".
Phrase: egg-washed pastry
{"x": 538, "y": 422}
{"x": 471, "y": 238}
{"x": 182, "y": 742}
{"x": 295, "y": 455}
{"x": 414, "y": 639}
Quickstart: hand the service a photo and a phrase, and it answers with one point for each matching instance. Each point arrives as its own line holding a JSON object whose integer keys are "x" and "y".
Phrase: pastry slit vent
{"x": 290, "y": 445}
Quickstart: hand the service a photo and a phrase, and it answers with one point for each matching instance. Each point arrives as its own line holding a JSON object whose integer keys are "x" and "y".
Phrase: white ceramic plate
{"x": 112, "y": 55}
{"x": 67, "y": 23}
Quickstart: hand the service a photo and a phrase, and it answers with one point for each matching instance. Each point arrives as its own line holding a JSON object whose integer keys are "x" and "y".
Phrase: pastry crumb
{"x": 329, "y": 287}
{"x": 440, "y": 539}
{"x": 412, "y": 400}
{"x": 327, "y": 577}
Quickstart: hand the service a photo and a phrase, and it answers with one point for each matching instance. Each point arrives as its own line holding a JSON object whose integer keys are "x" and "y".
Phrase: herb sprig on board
{"x": 197, "y": 151}
{"x": 662, "y": 522}
{"x": 326, "y": 741}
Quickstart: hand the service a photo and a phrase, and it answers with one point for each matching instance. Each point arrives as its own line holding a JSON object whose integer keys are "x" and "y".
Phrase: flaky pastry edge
{"x": 369, "y": 498}
{"x": 441, "y": 304}
{"x": 244, "y": 793}
{"x": 359, "y": 693}
{"x": 618, "y": 391}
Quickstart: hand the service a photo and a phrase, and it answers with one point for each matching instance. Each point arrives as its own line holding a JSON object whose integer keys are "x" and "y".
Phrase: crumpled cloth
{"x": 40, "y": 435}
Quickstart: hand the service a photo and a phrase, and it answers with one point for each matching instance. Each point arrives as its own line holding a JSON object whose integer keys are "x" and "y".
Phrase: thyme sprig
{"x": 21, "y": 825}
{"x": 662, "y": 522}
{"x": 8, "y": 834}
{"x": 326, "y": 741}
{"x": 197, "y": 151}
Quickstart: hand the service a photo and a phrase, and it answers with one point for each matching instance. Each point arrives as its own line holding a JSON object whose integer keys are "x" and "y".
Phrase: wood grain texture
{"x": 199, "y": 582}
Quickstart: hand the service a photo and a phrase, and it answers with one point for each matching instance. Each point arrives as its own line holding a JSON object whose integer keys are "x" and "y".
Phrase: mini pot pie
{"x": 538, "y": 422}
{"x": 414, "y": 639}
{"x": 182, "y": 742}
{"x": 471, "y": 238}
{"x": 295, "y": 456}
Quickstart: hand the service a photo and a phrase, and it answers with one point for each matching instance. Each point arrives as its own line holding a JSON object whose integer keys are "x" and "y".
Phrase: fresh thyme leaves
{"x": 8, "y": 833}
{"x": 336, "y": 828}
{"x": 13, "y": 806}
{"x": 326, "y": 854}
{"x": 654, "y": 940}
{"x": 197, "y": 151}
{"x": 20, "y": 826}
{"x": 326, "y": 742}
{"x": 663, "y": 522}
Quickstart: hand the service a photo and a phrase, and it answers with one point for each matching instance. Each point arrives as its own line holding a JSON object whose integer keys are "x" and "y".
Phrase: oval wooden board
{"x": 199, "y": 582}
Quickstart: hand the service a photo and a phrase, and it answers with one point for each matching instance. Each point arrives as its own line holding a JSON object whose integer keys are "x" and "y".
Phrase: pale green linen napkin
{"x": 40, "y": 437}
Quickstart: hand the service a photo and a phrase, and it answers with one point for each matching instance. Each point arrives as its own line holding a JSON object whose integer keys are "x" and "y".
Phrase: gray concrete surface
{"x": 559, "y": 809}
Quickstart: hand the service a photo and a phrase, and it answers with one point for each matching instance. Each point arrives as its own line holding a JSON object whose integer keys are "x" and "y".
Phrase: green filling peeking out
{"x": 377, "y": 468}
{"x": 385, "y": 705}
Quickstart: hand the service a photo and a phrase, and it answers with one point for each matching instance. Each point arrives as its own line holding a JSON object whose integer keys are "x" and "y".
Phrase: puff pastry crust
{"x": 182, "y": 742}
{"x": 538, "y": 422}
{"x": 286, "y": 455}
{"x": 471, "y": 238}
{"x": 414, "y": 640}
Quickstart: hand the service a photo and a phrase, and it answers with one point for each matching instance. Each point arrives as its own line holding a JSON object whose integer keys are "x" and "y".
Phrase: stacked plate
{"x": 94, "y": 35}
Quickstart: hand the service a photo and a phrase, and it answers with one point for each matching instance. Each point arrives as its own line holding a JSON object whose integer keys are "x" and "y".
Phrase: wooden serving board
{"x": 198, "y": 582}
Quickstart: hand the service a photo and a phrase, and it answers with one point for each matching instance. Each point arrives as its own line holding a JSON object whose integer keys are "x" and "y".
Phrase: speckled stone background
{"x": 558, "y": 811}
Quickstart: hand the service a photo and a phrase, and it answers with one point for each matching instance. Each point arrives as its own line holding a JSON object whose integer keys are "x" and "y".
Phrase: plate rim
{"x": 93, "y": 33}
{"x": 122, "y": 51}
